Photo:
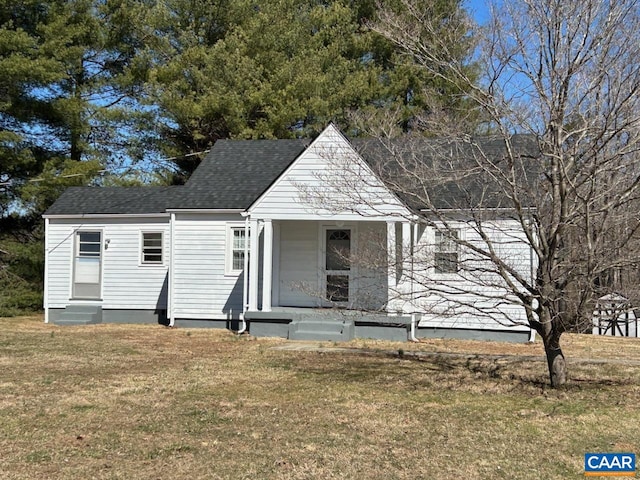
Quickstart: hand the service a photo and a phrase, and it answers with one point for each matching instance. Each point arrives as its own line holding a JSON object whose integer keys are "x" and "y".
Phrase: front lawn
{"x": 138, "y": 401}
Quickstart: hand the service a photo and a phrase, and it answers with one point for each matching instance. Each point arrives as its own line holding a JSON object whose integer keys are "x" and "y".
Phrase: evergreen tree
{"x": 279, "y": 69}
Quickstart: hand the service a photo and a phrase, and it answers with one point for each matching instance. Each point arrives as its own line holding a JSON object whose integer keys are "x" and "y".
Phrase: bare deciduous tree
{"x": 560, "y": 172}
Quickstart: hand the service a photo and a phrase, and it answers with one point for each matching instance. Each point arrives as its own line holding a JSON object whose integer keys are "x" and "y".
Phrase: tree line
{"x": 105, "y": 91}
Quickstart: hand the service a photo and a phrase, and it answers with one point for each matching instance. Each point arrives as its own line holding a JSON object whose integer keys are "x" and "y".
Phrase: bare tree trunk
{"x": 556, "y": 362}
{"x": 555, "y": 358}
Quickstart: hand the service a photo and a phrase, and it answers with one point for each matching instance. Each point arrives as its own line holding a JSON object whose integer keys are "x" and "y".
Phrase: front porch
{"x": 357, "y": 265}
{"x": 327, "y": 324}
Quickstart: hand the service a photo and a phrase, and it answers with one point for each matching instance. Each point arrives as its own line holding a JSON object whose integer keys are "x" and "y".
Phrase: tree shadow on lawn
{"x": 459, "y": 372}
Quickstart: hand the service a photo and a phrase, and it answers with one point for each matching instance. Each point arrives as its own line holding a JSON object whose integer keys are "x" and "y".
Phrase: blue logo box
{"x": 610, "y": 464}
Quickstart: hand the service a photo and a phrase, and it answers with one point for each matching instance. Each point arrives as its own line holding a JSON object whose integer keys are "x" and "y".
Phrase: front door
{"x": 337, "y": 265}
{"x": 87, "y": 265}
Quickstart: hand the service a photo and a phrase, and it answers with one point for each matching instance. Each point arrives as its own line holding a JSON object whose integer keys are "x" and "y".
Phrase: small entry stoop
{"x": 322, "y": 329}
{"x": 80, "y": 315}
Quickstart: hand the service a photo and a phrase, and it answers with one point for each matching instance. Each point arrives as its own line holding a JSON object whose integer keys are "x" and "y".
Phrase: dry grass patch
{"x": 127, "y": 401}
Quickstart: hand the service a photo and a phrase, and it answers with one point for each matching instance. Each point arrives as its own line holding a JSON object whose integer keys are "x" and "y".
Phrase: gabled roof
{"x": 236, "y": 173}
{"x": 232, "y": 176}
{"x": 450, "y": 170}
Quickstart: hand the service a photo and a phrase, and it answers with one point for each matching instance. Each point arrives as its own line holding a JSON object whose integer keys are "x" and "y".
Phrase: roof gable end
{"x": 328, "y": 179}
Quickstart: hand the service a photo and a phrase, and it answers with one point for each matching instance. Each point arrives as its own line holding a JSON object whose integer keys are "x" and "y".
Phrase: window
{"x": 338, "y": 249}
{"x": 152, "y": 248}
{"x": 446, "y": 251}
{"x": 89, "y": 244}
{"x": 235, "y": 249}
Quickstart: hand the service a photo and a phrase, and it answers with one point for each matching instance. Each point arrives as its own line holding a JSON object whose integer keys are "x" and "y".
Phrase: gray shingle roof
{"x": 232, "y": 176}
{"x": 113, "y": 200}
{"x": 419, "y": 168}
{"x": 236, "y": 172}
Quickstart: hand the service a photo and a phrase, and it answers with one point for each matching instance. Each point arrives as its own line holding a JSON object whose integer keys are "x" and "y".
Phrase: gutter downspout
{"x": 172, "y": 230}
{"x": 45, "y": 302}
{"x": 245, "y": 275}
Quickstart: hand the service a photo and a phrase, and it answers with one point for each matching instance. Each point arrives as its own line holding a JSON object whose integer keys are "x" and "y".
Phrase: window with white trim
{"x": 151, "y": 248}
{"x": 235, "y": 249}
{"x": 446, "y": 257}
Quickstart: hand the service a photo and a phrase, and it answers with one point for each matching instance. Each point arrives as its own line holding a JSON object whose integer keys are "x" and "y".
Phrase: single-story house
{"x": 180, "y": 255}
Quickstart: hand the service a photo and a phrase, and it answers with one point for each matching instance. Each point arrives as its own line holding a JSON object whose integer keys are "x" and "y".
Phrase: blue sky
{"x": 478, "y": 9}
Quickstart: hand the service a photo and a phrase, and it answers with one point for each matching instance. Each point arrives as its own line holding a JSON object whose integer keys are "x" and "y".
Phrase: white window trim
{"x": 141, "y": 261}
{"x": 228, "y": 250}
{"x": 448, "y": 275}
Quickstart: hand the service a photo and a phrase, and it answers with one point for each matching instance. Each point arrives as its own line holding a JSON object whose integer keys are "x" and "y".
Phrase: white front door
{"x": 87, "y": 265}
{"x": 337, "y": 273}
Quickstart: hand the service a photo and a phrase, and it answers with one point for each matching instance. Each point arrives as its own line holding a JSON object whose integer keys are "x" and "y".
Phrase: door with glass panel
{"x": 337, "y": 265}
{"x": 87, "y": 265}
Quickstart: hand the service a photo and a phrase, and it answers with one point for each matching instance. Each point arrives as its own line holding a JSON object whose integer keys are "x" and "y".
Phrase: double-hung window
{"x": 447, "y": 256}
{"x": 236, "y": 244}
{"x": 151, "y": 249}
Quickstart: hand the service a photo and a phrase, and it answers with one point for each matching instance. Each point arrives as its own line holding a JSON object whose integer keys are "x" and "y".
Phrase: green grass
{"x": 132, "y": 401}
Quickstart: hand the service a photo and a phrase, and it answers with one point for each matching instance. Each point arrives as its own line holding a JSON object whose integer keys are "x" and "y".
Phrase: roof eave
{"x": 104, "y": 215}
{"x": 205, "y": 210}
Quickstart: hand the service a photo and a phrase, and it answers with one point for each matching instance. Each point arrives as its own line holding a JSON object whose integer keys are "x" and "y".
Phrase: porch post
{"x": 254, "y": 253}
{"x": 407, "y": 275}
{"x": 391, "y": 254}
{"x": 267, "y": 265}
{"x": 392, "y": 276}
{"x": 406, "y": 250}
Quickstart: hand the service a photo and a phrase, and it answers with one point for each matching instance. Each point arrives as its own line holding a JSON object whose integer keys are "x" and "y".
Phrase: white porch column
{"x": 406, "y": 250}
{"x": 391, "y": 254}
{"x": 407, "y": 275}
{"x": 267, "y": 265}
{"x": 392, "y": 275}
{"x": 254, "y": 253}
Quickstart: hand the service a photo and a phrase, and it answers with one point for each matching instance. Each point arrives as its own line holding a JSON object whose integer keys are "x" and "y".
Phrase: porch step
{"x": 314, "y": 328}
{"x": 80, "y": 315}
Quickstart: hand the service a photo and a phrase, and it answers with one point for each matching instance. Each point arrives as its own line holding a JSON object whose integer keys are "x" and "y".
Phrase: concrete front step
{"x": 322, "y": 330}
{"x": 80, "y": 315}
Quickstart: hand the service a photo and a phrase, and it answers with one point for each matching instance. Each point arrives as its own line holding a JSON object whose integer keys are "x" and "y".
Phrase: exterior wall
{"x": 473, "y": 299}
{"x": 299, "y": 272}
{"x": 326, "y": 177}
{"x": 300, "y": 266}
{"x": 201, "y": 288}
{"x": 126, "y": 283}
{"x": 371, "y": 266}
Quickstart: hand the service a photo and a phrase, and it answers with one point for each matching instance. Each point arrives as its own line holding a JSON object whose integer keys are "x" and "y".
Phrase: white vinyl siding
{"x": 299, "y": 274}
{"x": 125, "y": 283}
{"x": 202, "y": 290}
{"x": 320, "y": 169}
{"x": 445, "y": 309}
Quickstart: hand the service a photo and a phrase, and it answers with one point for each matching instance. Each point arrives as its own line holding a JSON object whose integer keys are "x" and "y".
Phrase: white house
{"x": 179, "y": 255}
